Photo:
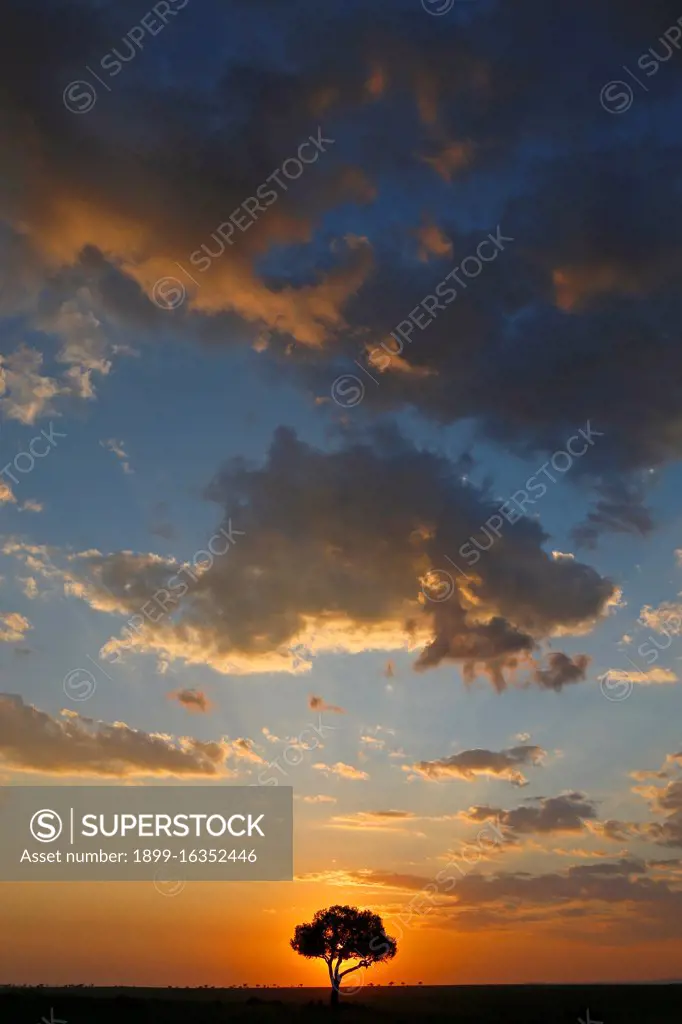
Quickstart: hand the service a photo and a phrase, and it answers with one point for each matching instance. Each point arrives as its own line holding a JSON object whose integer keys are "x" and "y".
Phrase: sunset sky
{"x": 353, "y": 328}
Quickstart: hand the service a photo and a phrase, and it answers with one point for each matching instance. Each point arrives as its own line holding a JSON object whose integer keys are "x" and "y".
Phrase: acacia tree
{"x": 340, "y": 934}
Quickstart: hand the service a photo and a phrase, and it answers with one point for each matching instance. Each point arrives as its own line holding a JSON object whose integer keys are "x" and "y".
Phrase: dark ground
{"x": 522, "y": 1004}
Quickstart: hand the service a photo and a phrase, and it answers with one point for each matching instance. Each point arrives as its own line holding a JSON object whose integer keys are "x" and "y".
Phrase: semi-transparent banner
{"x": 131, "y": 833}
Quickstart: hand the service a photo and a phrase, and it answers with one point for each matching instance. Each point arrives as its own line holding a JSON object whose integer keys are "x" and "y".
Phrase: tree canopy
{"x": 340, "y": 934}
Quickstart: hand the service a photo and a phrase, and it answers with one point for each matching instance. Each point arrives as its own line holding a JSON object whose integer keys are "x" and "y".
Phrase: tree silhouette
{"x": 340, "y": 934}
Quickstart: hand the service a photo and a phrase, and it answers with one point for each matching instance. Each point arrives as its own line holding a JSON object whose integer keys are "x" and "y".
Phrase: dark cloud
{"x": 343, "y": 546}
{"x": 192, "y": 700}
{"x": 668, "y": 802}
{"x": 618, "y": 831}
{"x": 561, "y": 670}
{"x": 565, "y": 813}
{"x": 620, "y": 512}
{"x": 623, "y": 881}
{"x": 577, "y": 320}
{"x": 665, "y": 802}
{"x": 620, "y": 895}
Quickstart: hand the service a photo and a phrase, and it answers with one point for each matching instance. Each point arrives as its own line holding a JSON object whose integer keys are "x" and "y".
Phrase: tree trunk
{"x": 335, "y": 994}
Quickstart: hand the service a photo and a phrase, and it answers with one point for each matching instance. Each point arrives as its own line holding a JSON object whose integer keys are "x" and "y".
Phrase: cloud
{"x": 388, "y": 815}
{"x": 344, "y": 771}
{"x": 562, "y": 670}
{"x": 628, "y": 902}
{"x": 338, "y": 563}
{"x": 27, "y": 395}
{"x": 29, "y": 586}
{"x": 191, "y": 699}
{"x": 28, "y": 392}
{"x": 373, "y": 741}
{"x": 118, "y": 449}
{"x": 582, "y": 853}
{"x": 319, "y": 798}
{"x": 243, "y": 750}
{"x": 638, "y": 905}
{"x": 69, "y": 215}
{"x": 665, "y": 801}
{"x": 319, "y": 704}
{"x": 666, "y": 618}
{"x": 33, "y": 741}
{"x": 417, "y": 107}
{"x": 13, "y": 627}
{"x": 565, "y": 813}
{"x": 374, "y": 821}
{"x": 6, "y": 494}
{"x": 31, "y": 505}
{"x": 650, "y": 677}
{"x": 447, "y": 161}
{"x": 620, "y": 511}
{"x": 466, "y": 900}
{"x": 612, "y": 829}
{"x": 432, "y": 242}
{"x": 469, "y": 764}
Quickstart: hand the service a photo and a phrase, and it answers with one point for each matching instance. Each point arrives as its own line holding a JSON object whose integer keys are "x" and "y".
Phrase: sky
{"x": 340, "y": 397}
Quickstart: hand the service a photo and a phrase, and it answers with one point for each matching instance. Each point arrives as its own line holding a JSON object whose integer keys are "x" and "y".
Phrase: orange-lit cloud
{"x": 451, "y": 158}
{"x": 13, "y": 627}
{"x": 344, "y": 771}
{"x": 467, "y": 765}
{"x": 33, "y": 741}
{"x": 432, "y": 242}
